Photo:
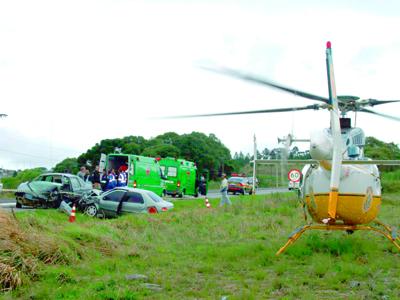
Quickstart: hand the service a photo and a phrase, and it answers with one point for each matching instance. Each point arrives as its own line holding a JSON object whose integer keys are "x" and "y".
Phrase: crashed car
{"x": 123, "y": 200}
{"x": 50, "y": 189}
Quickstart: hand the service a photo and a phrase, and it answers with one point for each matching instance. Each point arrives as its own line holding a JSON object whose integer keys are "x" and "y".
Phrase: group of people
{"x": 114, "y": 179}
{"x": 94, "y": 178}
{"x": 107, "y": 180}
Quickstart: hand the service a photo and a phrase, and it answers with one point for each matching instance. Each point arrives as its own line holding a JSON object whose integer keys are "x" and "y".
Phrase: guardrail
{"x": 8, "y": 191}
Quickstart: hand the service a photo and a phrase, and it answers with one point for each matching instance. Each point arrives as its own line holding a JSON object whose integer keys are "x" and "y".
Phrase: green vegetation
{"x": 7, "y": 195}
{"x": 196, "y": 253}
{"x": 377, "y": 149}
{"x": 390, "y": 181}
{"x": 26, "y": 175}
{"x": 206, "y": 151}
{"x": 69, "y": 165}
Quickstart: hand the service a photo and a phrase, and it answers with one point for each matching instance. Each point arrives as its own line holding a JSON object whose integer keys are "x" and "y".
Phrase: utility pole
{"x": 254, "y": 165}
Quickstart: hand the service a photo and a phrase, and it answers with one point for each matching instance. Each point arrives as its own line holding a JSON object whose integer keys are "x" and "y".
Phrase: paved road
{"x": 260, "y": 191}
{"x": 10, "y": 203}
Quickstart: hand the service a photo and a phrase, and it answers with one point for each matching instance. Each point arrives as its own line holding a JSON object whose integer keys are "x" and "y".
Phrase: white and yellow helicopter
{"x": 340, "y": 186}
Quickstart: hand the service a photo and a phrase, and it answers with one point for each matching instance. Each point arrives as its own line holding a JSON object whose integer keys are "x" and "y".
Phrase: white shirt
{"x": 224, "y": 183}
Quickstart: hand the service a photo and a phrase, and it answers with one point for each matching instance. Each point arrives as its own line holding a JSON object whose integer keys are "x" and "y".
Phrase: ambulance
{"x": 143, "y": 172}
{"x": 181, "y": 177}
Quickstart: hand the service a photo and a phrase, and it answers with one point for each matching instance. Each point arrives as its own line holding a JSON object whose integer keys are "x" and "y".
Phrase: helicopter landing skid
{"x": 389, "y": 233}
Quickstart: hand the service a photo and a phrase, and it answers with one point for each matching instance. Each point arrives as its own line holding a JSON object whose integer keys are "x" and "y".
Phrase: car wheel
{"x": 242, "y": 192}
{"x": 164, "y": 193}
{"x": 181, "y": 195}
{"x": 18, "y": 205}
{"x": 250, "y": 192}
{"x": 91, "y": 210}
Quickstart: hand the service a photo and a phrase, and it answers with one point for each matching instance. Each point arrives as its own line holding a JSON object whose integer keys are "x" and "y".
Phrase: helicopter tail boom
{"x": 336, "y": 136}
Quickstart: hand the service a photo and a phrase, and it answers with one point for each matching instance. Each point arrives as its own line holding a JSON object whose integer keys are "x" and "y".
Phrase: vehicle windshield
{"x": 154, "y": 197}
{"x": 235, "y": 179}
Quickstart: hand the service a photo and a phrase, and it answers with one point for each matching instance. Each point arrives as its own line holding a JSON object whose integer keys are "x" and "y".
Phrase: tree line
{"x": 207, "y": 151}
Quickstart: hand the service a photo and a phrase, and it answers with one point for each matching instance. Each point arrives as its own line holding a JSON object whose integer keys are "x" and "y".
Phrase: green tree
{"x": 377, "y": 149}
{"x": 161, "y": 150}
{"x": 206, "y": 151}
{"x": 129, "y": 143}
{"x": 69, "y": 165}
{"x": 265, "y": 153}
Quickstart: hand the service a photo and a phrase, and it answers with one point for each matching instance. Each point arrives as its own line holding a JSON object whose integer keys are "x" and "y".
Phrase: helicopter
{"x": 340, "y": 187}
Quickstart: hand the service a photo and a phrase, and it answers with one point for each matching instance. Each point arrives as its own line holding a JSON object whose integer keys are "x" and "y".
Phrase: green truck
{"x": 181, "y": 177}
{"x": 143, "y": 172}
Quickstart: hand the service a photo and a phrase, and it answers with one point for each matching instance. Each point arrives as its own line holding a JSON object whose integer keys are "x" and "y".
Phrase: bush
{"x": 391, "y": 181}
{"x": 26, "y": 175}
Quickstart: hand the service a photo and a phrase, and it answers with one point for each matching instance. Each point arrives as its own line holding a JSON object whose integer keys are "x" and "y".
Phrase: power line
{"x": 26, "y": 154}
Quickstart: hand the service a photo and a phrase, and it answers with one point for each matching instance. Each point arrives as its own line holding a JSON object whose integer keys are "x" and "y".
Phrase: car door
{"x": 109, "y": 202}
{"x": 133, "y": 202}
{"x": 66, "y": 184}
{"x": 76, "y": 186}
{"x": 86, "y": 186}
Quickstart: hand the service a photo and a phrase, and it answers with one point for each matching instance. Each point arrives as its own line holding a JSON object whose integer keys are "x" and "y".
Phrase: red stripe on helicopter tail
{"x": 328, "y": 45}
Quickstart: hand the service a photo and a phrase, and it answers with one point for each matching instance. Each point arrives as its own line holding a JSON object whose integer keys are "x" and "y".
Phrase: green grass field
{"x": 198, "y": 253}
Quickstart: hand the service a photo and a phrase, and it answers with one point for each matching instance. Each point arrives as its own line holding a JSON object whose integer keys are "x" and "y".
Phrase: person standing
{"x": 224, "y": 192}
{"x": 112, "y": 182}
{"x": 202, "y": 185}
{"x": 82, "y": 173}
{"x": 104, "y": 180}
{"x": 87, "y": 176}
{"x": 96, "y": 178}
{"x": 121, "y": 177}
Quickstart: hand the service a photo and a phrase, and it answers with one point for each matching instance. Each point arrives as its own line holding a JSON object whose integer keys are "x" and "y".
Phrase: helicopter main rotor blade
{"x": 251, "y": 78}
{"x": 380, "y": 114}
{"x": 373, "y": 102}
{"x": 262, "y": 111}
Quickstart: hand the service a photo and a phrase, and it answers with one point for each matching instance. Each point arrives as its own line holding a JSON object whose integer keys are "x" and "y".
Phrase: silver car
{"x": 123, "y": 200}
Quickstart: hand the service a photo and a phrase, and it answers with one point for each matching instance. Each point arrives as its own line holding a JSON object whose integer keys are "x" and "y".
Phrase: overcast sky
{"x": 75, "y": 72}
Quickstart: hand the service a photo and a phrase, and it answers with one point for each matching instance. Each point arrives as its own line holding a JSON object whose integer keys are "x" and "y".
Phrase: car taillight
{"x": 134, "y": 184}
{"x": 178, "y": 184}
{"x": 164, "y": 209}
{"x": 152, "y": 210}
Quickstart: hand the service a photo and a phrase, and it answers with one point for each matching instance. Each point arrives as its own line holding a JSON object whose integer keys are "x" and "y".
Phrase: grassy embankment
{"x": 196, "y": 253}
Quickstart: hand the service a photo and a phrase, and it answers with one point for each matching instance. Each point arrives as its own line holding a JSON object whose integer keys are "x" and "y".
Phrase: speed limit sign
{"x": 294, "y": 175}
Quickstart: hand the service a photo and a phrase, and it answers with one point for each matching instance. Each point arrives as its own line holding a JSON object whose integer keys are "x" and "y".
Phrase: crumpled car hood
{"x": 38, "y": 188}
